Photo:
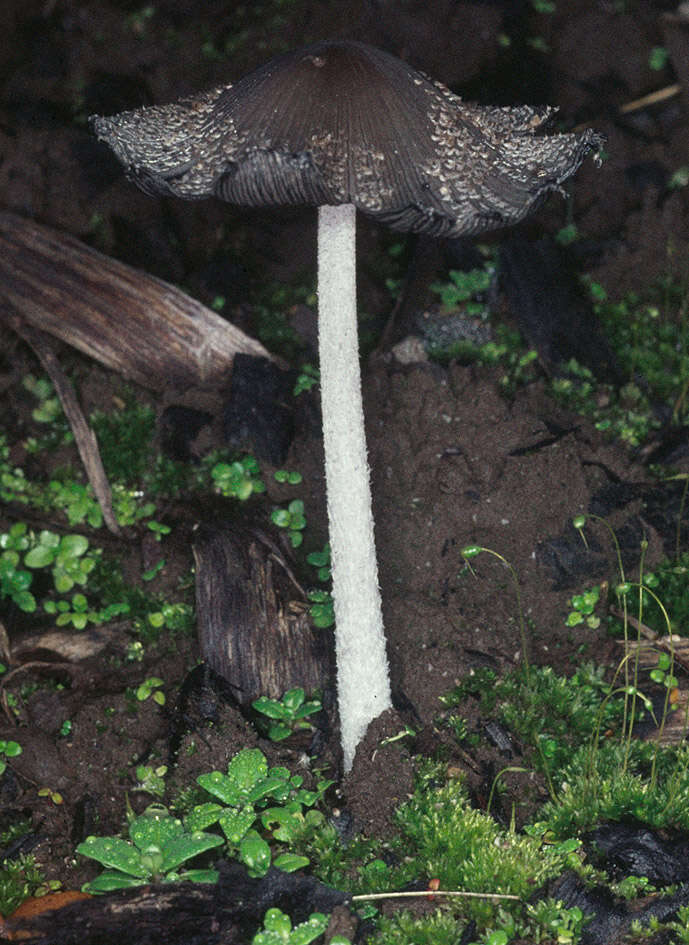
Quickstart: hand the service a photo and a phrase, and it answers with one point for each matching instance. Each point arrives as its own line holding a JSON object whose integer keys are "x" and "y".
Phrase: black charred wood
{"x": 253, "y": 623}
{"x": 228, "y": 913}
{"x": 551, "y": 309}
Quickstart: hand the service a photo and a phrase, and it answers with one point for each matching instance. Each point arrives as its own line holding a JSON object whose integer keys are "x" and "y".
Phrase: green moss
{"x": 644, "y": 783}
{"x": 669, "y": 583}
{"x": 125, "y": 440}
{"x": 466, "y": 849}
{"x": 20, "y": 879}
{"x": 404, "y": 928}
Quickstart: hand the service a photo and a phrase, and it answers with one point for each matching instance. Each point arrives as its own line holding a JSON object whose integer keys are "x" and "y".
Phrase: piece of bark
{"x": 253, "y": 625}
{"x": 136, "y": 324}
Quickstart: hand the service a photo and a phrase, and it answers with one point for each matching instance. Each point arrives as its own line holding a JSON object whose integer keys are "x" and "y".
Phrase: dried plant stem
{"x": 435, "y": 892}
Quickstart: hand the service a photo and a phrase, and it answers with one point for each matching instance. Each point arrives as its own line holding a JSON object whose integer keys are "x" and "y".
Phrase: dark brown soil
{"x": 453, "y": 461}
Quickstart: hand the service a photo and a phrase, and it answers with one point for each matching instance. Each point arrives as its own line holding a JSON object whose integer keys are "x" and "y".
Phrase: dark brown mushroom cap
{"x": 343, "y": 122}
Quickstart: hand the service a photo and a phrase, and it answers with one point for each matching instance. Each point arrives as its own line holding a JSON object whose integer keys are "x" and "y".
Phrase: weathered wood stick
{"x": 134, "y": 323}
{"x": 84, "y": 437}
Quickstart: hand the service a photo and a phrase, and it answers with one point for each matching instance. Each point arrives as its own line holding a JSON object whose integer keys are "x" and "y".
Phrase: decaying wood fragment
{"x": 226, "y": 913}
{"x": 134, "y": 323}
{"x": 249, "y": 631}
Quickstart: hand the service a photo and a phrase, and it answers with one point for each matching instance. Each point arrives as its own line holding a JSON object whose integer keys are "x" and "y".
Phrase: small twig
{"x": 660, "y": 95}
{"x": 84, "y": 436}
{"x": 642, "y": 628}
{"x": 433, "y": 893}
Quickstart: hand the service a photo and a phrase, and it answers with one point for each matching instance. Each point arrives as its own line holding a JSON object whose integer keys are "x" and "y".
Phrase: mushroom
{"x": 344, "y": 126}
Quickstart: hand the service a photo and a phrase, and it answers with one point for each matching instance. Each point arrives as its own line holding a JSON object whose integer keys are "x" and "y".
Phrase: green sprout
{"x": 15, "y": 582}
{"x": 238, "y": 480}
{"x": 565, "y": 925}
{"x": 128, "y": 506}
{"x": 321, "y": 561}
{"x": 253, "y": 795}
{"x": 67, "y": 556}
{"x": 292, "y": 519}
{"x": 657, "y": 58}
{"x": 153, "y": 572}
{"x": 21, "y": 878}
{"x": 158, "y": 845}
{"x": 9, "y": 749}
{"x": 158, "y": 529}
{"x": 278, "y": 930}
{"x": 77, "y": 502}
{"x": 308, "y": 377}
{"x": 151, "y": 780}
{"x": 465, "y": 289}
{"x": 662, "y": 674}
{"x": 48, "y": 409}
{"x": 177, "y": 617}
{"x": 322, "y": 611}
{"x": 583, "y": 606}
{"x": 288, "y": 714}
{"x": 78, "y": 613}
{"x": 150, "y": 687}
{"x": 567, "y": 234}
{"x": 472, "y": 551}
{"x": 293, "y": 478}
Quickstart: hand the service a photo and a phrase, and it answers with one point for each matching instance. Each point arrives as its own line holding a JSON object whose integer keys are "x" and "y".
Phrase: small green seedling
{"x": 55, "y": 797}
{"x": 48, "y": 408}
{"x": 278, "y": 930}
{"x": 246, "y": 792}
{"x": 67, "y": 556}
{"x": 158, "y": 529}
{"x": 159, "y": 845}
{"x": 238, "y": 480}
{"x": 151, "y": 687}
{"x": 16, "y": 538}
{"x": 9, "y": 749}
{"x": 151, "y": 780}
{"x": 406, "y": 732}
{"x": 498, "y": 937}
{"x": 321, "y": 561}
{"x": 177, "y": 617}
{"x": 291, "y": 478}
{"x": 288, "y": 714}
{"x": 465, "y": 289}
{"x": 662, "y": 674}
{"x": 583, "y": 606}
{"x": 15, "y": 581}
{"x": 307, "y": 378}
{"x": 657, "y": 58}
{"x": 292, "y": 519}
{"x": 128, "y": 505}
{"x": 153, "y": 572}
{"x": 77, "y": 502}
{"x": 565, "y": 925}
{"x": 322, "y": 611}
{"x": 77, "y": 612}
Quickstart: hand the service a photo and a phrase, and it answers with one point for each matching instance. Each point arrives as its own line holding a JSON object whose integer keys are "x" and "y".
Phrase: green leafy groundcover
{"x": 158, "y": 844}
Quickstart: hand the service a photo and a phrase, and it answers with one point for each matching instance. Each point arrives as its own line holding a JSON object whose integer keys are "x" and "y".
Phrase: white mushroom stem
{"x": 363, "y": 685}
